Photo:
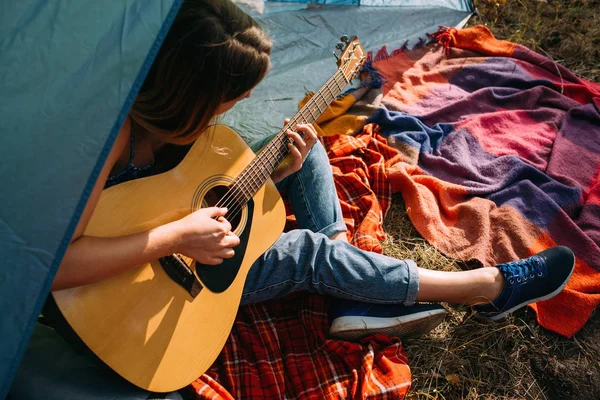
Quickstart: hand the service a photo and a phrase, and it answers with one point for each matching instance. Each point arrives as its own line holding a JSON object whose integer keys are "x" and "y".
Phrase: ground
{"x": 514, "y": 359}
{"x": 465, "y": 358}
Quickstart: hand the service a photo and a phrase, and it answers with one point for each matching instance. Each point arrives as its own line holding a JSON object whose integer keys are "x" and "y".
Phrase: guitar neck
{"x": 258, "y": 171}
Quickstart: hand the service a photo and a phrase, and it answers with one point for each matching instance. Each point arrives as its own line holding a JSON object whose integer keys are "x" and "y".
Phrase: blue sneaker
{"x": 352, "y": 320}
{"x": 539, "y": 277}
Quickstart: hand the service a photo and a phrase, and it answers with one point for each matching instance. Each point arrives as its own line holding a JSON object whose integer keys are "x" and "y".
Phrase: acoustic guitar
{"x": 162, "y": 325}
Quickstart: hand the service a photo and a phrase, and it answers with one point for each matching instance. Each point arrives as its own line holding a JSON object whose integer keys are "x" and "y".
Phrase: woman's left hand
{"x": 298, "y": 150}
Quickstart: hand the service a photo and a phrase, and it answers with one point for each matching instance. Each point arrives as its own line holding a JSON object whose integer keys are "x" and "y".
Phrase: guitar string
{"x": 281, "y": 141}
{"x": 231, "y": 200}
{"x": 279, "y": 144}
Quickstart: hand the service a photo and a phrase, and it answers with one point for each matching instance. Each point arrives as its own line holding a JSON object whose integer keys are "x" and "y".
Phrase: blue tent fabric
{"x": 69, "y": 71}
{"x": 305, "y": 33}
{"x": 271, "y": 6}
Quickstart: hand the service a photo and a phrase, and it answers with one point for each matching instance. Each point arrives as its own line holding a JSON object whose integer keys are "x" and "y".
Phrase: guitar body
{"x": 143, "y": 324}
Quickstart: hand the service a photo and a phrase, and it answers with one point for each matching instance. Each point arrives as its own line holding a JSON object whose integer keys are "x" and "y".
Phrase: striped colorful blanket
{"x": 496, "y": 152}
{"x": 501, "y": 157}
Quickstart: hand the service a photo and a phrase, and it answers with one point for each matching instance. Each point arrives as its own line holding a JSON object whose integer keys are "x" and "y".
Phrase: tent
{"x": 305, "y": 37}
{"x": 69, "y": 72}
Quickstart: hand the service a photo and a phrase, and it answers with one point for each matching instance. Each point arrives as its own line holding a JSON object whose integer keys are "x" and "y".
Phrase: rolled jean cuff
{"x": 413, "y": 283}
{"x": 332, "y": 229}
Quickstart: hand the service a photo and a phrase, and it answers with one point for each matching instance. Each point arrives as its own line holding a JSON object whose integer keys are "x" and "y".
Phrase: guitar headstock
{"x": 351, "y": 58}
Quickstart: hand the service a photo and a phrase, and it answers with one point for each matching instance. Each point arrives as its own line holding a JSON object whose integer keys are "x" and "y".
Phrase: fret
{"x": 279, "y": 143}
{"x": 304, "y": 119}
{"x": 343, "y": 82}
{"x": 242, "y": 187}
{"x": 282, "y": 148}
{"x": 248, "y": 176}
{"x": 285, "y": 141}
{"x": 273, "y": 156}
{"x": 270, "y": 161}
{"x": 330, "y": 92}
{"x": 338, "y": 85}
{"x": 259, "y": 170}
{"x": 244, "y": 197}
{"x": 313, "y": 115}
{"x": 294, "y": 122}
{"x": 256, "y": 183}
{"x": 264, "y": 174}
{"x": 317, "y": 105}
{"x": 324, "y": 99}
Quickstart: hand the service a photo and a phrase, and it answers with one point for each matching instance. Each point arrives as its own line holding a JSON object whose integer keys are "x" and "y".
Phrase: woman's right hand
{"x": 205, "y": 235}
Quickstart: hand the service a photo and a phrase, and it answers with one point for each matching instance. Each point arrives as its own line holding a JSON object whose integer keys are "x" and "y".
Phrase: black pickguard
{"x": 218, "y": 278}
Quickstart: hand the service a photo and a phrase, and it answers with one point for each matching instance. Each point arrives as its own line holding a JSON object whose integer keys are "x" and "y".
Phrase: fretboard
{"x": 254, "y": 176}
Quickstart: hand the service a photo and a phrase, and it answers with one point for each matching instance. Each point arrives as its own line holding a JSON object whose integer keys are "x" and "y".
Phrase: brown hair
{"x": 214, "y": 52}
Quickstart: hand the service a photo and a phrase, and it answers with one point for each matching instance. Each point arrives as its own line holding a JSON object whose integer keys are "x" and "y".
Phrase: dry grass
{"x": 514, "y": 359}
{"x": 567, "y": 31}
{"x": 465, "y": 358}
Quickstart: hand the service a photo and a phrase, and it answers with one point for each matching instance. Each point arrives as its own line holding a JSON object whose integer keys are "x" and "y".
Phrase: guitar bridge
{"x": 180, "y": 273}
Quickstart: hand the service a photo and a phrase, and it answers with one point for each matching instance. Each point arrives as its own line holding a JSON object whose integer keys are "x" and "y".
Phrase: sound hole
{"x": 224, "y": 196}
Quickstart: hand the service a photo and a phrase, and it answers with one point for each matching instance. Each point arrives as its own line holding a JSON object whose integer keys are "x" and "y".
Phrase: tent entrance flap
{"x": 304, "y": 35}
{"x": 70, "y": 72}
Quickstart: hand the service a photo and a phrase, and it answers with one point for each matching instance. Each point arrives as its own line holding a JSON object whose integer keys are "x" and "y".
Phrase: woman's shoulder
{"x": 123, "y": 137}
{"x": 117, "y": 158}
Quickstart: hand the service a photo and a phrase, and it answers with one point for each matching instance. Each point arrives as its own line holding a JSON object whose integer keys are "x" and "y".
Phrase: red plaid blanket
{"x": 279, "y": 350}
{"x": 360, "y": 170}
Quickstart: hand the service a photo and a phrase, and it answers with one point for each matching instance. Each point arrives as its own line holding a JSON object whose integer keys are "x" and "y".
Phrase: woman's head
{"x": 213, "y": 55}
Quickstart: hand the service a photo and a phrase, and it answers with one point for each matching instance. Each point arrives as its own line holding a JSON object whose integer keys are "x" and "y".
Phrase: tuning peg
{"x": 336, "y": 56}
{"x": 344, "y": 38}
{"x": 339, "y": 46}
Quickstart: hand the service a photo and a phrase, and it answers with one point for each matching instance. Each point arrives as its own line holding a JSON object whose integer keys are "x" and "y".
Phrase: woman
{"x": 213, "y": 56}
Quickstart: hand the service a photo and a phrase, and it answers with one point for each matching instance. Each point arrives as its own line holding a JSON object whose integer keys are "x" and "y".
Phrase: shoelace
{"x": 520, "y": 271}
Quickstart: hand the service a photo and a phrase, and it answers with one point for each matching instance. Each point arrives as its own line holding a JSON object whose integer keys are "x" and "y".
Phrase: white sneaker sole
{"x": 355, "y": 328}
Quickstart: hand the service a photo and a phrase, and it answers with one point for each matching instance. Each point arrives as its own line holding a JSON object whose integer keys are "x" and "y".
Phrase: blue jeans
{"x": 312, "y": 195}
{"x": 303, "y": 259}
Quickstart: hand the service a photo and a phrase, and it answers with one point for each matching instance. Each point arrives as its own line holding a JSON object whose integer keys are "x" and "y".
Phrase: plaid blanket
{"x": 495, "y": 150}
{"x": 279, "y": 350}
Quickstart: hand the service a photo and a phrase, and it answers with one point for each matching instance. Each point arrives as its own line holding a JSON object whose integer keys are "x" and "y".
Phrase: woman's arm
{"x": 90, "y": 259}
{"x": 203, "y": 235}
